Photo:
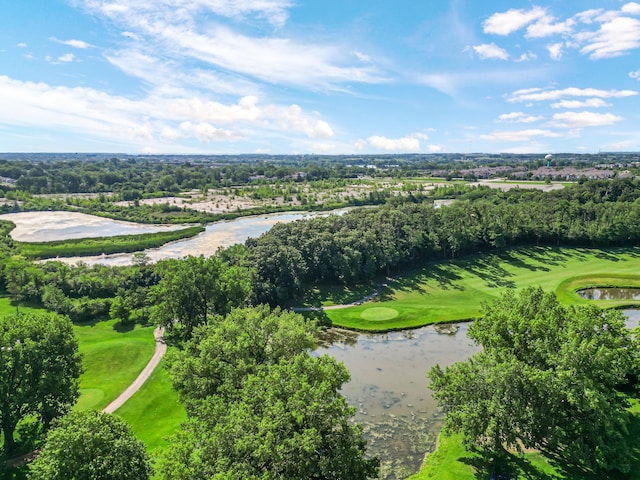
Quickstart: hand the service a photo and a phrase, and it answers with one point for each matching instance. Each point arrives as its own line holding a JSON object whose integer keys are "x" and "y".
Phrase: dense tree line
{"x": 371, "y": 241}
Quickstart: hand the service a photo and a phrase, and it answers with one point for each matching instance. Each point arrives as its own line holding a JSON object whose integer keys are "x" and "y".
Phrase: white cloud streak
{"x": 519, "y": 117}
{"x": 519, "y": 135}
{"x": 512, "y": 20}
{"x": 490, "y": 51}
{"x": 540, "y": 95}
{"x": 584, "y": 119}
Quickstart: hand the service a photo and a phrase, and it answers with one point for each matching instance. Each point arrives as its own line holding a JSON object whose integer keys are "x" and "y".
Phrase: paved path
{"x": 161, "y": 349}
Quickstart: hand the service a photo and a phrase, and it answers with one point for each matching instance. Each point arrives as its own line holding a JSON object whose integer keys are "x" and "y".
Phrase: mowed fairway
{"x": 455, "y": 290}
{"x": 155, "y": 411}
{"x": 111, "y": 361}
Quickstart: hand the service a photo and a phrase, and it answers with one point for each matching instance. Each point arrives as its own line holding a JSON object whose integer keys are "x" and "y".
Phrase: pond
{"x": 610, "y": 293}
{"x": 46, "y": 226}
{"x": 388, "y": 386}
{"x": 52, "y": 226}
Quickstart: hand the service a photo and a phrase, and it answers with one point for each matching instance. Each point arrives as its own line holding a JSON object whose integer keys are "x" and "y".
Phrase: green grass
{"x": 106, "y": 245}
{"x": 111, "y": 359}
{"x": 453, "y": 461}
{"x": 155, "y": 411}
{"x": 455, "y": 290}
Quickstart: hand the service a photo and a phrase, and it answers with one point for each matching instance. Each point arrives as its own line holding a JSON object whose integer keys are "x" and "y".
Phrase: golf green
{"x": 379, "y": 314}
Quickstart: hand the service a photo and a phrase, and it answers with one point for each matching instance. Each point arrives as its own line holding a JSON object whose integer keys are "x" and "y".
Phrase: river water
{"x": 48, "y": 226}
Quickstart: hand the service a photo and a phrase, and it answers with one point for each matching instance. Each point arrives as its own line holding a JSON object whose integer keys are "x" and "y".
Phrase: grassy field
{"x": 453, "y": 461}
{"x": 106, "y": 245}
{"x": 154, "y": 412}
{"x": 455, "y": 290}
{"x": 112, "y": 359}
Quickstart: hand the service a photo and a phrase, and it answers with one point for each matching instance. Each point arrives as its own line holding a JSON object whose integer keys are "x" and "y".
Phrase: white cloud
{"x": 435, "y": 148}
{"x": 589, "y": 103}
{"x": 616, "y": 36}
{"x": 130, "y": 35}
{"x": 67, "y": 57}
{"x": 546, "y": 27}
{"x": 187, "y": 29}
{"x": 555, "y": 50}
{"x": 527, "y": 56}
{"x": 512, "y": 20}
{"x": 540, "y": 95}
{"x": 584, "y": 119}
{"x": 519, "y": 135}
{"x": 363, "y": 57}
{"x": 205, "y": 132}
{"x": 635, "y": 75}
{"x": 519, "y": 117}
{"x": 404, "y": 144}
{"x": 631, "y": 8}
{"x": 21, "y": 45}
{"x": 96, "y": 114}
{"x": 73, "y": 43}
{"x": 489, "y": 51}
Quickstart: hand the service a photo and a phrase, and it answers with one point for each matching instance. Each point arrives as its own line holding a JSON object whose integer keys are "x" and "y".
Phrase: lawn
{"x": 155, "y": 411}
{"x": 112, "y": 359}
{"x": 455, "y": 290}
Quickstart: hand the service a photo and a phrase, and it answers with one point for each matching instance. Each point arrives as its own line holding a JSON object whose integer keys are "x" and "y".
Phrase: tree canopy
{"x": 549, "y": 377}
{"x": 39, "y": 367}
{"x": 260, "y": 406}
{"x": 91, "y": 446}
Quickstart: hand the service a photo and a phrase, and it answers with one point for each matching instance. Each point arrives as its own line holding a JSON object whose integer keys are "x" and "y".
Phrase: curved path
{"x": 377, "y": 292}
{"x": 161, "y": 349}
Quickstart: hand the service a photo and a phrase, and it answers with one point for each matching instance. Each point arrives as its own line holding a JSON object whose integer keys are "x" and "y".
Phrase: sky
{"x": 319, "y": 76}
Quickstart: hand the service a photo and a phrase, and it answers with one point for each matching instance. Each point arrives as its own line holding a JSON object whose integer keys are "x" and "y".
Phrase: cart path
{"x": 371, "y": 296}
{"x": 161, "y": 349}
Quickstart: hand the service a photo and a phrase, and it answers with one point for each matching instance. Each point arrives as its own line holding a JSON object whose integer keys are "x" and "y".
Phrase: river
{"x": 48, "y": 226}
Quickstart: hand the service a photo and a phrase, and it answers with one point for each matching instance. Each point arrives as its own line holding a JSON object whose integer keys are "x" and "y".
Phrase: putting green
{"x": 379, "y": 314}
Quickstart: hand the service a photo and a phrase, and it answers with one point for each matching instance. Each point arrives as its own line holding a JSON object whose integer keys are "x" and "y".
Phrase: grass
{"x": 155, "y": 411}
{"x": 106, "y": 245}
{"x": 453, "y": 461}
{"x": 455, "y": 290}
{"x": 111, "y": 359}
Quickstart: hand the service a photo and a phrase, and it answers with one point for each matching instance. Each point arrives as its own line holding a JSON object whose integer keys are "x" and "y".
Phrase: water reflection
{"x": 388, "y": 386}
{"x": 610, "y": 293}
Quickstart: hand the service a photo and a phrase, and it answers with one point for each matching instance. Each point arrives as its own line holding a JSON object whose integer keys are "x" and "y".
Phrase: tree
{"x": 91, "y": 445}
{"x": 287, "y": 422}
{"x": 549, "y": 377}
{"x": 194, "y": 288}
{"x": 220, "y": 355}
{"x": 39, "y": 367}
{"x": 120, "y": 309}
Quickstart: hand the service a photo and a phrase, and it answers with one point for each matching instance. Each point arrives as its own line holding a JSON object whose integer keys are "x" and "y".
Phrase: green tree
{"x": 39, "y": 367}
{"x": 120, "y": 309}
{"x": 549, "y": 377}
{"x": 194, "y": 288}
{"x": 220, "y": 355}
{"x": 91, "y": 445}
{"x": 287, "y": 422}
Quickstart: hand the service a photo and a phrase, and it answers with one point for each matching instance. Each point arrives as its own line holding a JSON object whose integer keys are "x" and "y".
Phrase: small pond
{"x": 388, "y": 386}
{"x": 610, "y": 293}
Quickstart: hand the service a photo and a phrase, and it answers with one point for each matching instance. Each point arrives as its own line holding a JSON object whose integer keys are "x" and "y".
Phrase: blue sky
{"x": 311, "y": 76}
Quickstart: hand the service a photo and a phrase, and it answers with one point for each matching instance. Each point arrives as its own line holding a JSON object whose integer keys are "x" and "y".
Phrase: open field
{"x": 455, "y": 290}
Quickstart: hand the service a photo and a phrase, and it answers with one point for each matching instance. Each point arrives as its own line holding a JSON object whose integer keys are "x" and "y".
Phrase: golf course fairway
{"x": 454, "y": 290}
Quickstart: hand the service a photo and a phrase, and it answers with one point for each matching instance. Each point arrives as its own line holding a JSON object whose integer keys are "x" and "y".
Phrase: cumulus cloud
{"x": 584, "y": 119}
{"x": 615, "y": 37}
{"x": 67, "y": 57}
{"x": 519, "y": 117}
{"x": 86, "y": 111}
{"x": 527, "y": 56}
{"x": 541, "y": 95}
{"x": 404, "y": 144}
{"x": 489, "y": 51}
{"x": 512, "y": 20}
{"x": 631, "y": 8}
{"x": 519, "y": 135}
{"x": 547, "y": 26}
{"x": 635, "y": 75}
